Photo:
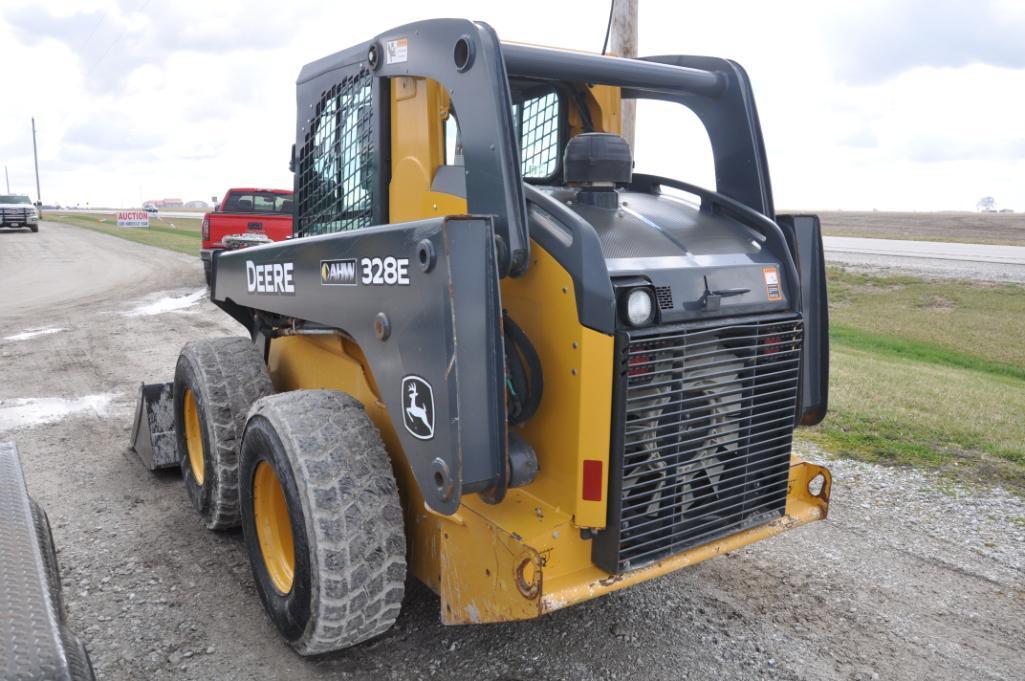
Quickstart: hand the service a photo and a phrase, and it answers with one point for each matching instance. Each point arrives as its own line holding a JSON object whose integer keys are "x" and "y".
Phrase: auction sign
{"x": 132, "y": 218}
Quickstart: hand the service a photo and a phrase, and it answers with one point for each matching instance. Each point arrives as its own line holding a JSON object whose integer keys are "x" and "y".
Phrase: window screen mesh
{"x": 539, "y": 136}
{"x": 336, "y": 162}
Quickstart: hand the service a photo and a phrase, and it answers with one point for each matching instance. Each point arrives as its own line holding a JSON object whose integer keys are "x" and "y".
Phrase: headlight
{"x": 640, "y": 308}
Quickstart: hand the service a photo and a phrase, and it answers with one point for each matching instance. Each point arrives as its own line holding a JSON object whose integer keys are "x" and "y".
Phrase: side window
{"x": 337, "y": 174}
{"x": 538, "y": 123}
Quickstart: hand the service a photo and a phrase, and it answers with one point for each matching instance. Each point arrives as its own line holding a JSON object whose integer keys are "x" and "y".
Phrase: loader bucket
{"x": 153, "y": 430}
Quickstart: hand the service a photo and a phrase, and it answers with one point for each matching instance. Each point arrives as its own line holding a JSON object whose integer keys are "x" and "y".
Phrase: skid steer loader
{"x": 493, "y": 354}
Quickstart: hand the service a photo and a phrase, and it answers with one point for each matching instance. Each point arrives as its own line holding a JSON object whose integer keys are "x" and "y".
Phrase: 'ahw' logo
{"x": 338, "y": 272}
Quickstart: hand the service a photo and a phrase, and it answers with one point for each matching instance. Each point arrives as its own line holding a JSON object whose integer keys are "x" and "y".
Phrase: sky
{"x": 868, "y": 104}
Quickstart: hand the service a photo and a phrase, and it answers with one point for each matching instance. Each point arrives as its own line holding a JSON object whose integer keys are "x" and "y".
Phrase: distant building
{"x": 165, "y": 203}
{"x": 1006, "y": 210}
{"x": 197, "y": 204}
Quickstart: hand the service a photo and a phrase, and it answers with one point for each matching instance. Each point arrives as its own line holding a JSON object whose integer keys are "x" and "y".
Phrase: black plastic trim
{"x": 806, "y": 233}
{"x": 578, "y": 250}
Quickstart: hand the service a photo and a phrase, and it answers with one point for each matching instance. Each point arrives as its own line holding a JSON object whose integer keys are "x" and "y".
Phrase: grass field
{"x": 928, "y": 373}
{"x": 174, "y": 234}
{"x": 981, "y": 228}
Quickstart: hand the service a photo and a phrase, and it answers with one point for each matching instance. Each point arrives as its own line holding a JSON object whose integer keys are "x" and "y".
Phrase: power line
{"x": 113, "y": 42}
{"x": 608, "y": 27}
{"x": 93, "y": 32}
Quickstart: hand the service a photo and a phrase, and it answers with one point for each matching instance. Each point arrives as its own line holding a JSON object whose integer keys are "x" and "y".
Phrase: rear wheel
{"x": 322, "y": 520}
{"x": 215, "y": 383}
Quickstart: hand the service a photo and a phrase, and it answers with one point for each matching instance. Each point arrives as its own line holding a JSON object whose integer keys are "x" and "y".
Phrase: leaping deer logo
{"x": 419, "y": 408}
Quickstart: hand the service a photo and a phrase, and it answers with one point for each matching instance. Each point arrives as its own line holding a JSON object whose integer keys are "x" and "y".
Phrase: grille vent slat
{"x": 704, "y": 451}
{"x": 664, "y": 296}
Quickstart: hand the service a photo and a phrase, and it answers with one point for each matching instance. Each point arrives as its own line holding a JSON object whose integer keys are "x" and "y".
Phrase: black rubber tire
{"x": 346, "y": 519}
{"x": 34, "y": 228}
{"x": 226, "y": 376}
{"x": 48, "y": 549}
{"x": 208, "y": 273}
{"x": 80, "y": 667}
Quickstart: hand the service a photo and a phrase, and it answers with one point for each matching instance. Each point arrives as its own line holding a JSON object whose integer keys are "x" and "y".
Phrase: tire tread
{"x": 234, "y": 376}
{"x": 353, "y": 516}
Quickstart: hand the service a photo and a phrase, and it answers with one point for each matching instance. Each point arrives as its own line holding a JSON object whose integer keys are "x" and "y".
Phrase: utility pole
{"x": 623, "y": 43}
{"x": 35, "y": 157}
{"x": 8, "y": 178}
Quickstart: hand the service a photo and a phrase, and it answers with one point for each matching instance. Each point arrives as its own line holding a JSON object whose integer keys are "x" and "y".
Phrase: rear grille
{"x": 705, "y": 420}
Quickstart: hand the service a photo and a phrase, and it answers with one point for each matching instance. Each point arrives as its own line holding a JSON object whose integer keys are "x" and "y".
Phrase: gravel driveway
{"x": 910, "y": 578}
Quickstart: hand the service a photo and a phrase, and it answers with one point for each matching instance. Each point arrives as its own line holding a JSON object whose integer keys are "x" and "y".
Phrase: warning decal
{"x": 396, "y": 51}
{"x": 772, "y": 288}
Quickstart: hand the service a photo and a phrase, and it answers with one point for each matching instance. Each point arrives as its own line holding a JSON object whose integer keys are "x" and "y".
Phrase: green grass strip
{"x": 181, "y": 241}
{"x": 858, "y": 339}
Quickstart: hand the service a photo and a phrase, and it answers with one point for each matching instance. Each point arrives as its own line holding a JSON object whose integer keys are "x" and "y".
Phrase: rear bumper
{"x": 534, "y": 560}
{"x": 802, "y": 507}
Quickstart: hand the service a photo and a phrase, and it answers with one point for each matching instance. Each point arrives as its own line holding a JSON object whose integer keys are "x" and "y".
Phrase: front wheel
{"x": 322, "y": 520}
{"x": 216, "y": 381}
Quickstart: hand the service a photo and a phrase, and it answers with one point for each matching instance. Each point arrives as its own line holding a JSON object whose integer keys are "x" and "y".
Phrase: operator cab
{"x": 653, "y": 230}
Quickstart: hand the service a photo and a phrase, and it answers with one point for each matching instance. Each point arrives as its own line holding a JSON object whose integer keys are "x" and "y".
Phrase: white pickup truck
{"x": 16, "y": 210}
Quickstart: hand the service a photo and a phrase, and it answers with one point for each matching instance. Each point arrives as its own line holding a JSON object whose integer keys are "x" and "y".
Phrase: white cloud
{"x": 877, "y": 39}
{"x": 903, "y": 104}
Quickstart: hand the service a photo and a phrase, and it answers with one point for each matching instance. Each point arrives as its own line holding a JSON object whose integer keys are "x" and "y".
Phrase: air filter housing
{"x": 597, "y": 158}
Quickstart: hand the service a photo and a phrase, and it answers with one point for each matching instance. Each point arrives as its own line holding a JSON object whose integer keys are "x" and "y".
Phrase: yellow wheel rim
{"x": 194, "y": 438}
{"x": 273, "y": 527}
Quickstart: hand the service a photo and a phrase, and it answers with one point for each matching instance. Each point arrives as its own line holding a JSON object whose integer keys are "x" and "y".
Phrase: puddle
{"x": 33, "y": 411}
{"x": 32, "y": 333}
{"x": 167, "y": 304}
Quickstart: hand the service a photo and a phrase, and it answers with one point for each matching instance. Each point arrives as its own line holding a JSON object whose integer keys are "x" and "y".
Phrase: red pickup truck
{"x": 246, "y": 216}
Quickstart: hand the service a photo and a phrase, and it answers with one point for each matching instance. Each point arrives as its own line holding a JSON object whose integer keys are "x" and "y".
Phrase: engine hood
{"x": 702, "y": 263}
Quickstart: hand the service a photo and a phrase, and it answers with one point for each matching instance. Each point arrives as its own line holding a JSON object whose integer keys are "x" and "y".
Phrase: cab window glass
{"x": 337, "y": 173}
{"x": 537, "y": 123}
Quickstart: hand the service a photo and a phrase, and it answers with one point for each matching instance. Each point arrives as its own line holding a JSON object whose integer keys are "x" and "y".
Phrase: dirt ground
{"x": 980, "y": 228}
{"x": 909, "y": 578}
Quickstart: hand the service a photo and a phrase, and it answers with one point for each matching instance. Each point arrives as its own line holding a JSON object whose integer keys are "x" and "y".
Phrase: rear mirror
{"x": 804, "y": 236}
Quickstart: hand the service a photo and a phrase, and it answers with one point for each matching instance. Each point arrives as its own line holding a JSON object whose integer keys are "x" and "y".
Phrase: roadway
{"x": 930, "y": 258}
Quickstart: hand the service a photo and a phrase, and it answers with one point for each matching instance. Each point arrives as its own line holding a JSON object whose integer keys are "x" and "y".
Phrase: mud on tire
{"x": 224, "y": 376}
{"x": 344, "y": 513}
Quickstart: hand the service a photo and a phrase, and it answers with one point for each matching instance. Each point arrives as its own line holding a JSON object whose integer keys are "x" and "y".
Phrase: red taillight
{"x": 592, "y": 480}
{"x": 771, "y": 344}
{"x": 204, "y": 230}
{"x": 638, "y": 365}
